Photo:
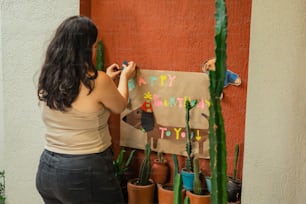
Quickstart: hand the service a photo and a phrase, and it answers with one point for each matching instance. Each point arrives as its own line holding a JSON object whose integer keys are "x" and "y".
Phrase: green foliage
{"x": 188, "y": 106}
{"x": 197, "y": 187}
{"x": 122, "y": 166}
{"x": 145, "y": 169}
{"x": 2, "y": 187}
{"x": 217, "y": 142}
{"x": 100, "y": 56}
{"x": 178, "y": 185}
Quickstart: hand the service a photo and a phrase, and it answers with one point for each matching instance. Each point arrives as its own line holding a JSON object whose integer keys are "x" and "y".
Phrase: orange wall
{"x": 177, "y": 35}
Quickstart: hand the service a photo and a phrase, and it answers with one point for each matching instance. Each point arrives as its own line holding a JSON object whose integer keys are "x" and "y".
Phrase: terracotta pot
{"x": 198, "y": 199}
{"x": 140, "y": 194}
{"x": 166, "y": 193}
{"x": 160, "y": 171}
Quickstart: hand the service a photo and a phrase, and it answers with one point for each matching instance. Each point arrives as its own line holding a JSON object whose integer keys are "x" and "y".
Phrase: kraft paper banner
{"x": 156, "y": 113}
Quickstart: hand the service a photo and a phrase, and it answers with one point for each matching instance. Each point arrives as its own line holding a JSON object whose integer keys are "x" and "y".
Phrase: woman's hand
{"x": 129, "y": 70}
{"x": 113, "y": 71}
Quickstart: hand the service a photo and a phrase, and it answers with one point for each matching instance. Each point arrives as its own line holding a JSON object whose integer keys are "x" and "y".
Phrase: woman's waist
{"x": 78, "y": 143}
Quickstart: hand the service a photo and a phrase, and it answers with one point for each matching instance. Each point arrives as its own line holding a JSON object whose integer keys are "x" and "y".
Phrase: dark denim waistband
{"x": 66, "y": 161}
{"x": 105, "y": 152}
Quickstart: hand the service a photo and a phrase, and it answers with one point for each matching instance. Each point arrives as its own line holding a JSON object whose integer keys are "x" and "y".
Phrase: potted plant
{"x": 160, "y": 169}
{"x": 2, "y": 187}
{"x": 141, "y": 189}
{"x": 121, "y": 167}
{"x": 198, "y": 195}
{"x": 233, "y": 183}
{"x": 187, "y": 172}
{"x": 166, "y": 191}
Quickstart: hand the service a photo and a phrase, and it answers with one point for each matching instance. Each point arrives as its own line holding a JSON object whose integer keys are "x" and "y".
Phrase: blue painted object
{"x": 188, "y": 178}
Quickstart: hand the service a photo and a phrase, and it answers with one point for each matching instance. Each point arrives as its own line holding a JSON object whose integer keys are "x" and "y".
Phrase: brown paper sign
{"x": 156, "y": 113}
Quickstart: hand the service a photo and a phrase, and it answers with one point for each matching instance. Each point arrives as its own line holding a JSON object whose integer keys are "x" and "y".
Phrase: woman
{"x": 76, "y": 165}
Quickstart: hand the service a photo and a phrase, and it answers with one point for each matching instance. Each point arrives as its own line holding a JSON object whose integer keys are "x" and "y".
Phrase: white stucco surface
{"x": 1, "y": 104}
{"x": 27, "y": 25}
{"x": 275, "y": 137}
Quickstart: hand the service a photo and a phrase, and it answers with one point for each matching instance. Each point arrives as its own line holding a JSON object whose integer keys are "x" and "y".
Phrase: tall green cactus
{"x": 188, "y": 106}
{"x": 217, "y": 141}
{"x": 100, "y": 57}
{"x": 145, "y": 169}
{"x": 197, "y": 187}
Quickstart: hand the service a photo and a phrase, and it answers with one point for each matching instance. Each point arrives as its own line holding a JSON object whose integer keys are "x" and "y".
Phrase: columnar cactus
{"x": 178, "y": 185}
{"x": 145, "y": 169}
{"x": 217, "y": 142}
{"x": 197, "y": 187}
{"x": 188, "y": 106}
{"x": 175, "y": 163}
{"x": 100, "y": 57}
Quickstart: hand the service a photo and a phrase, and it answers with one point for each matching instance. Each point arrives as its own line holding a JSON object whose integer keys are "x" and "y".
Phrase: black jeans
{"x": 78, "y": 179}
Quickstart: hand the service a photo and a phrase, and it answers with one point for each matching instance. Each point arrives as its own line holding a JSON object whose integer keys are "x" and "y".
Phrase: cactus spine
{"x": 217, "y": 142}
{"x": 145, "y": 168}
{"x": 197, "y": 187}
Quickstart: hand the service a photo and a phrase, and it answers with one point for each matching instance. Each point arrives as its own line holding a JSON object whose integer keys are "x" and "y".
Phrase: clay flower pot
{"x": 160, "y": 171}
{"x": 140, "y": 194}
{"x": 166, "y": 193}
{"x": 198, "y": 199}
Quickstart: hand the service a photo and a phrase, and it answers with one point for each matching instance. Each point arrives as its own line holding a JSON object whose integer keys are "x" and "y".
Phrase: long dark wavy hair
{"x": 68, "y": 63}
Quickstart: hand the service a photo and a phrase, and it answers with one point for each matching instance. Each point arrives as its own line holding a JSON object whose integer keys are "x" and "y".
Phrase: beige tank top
{"x": 74, "y": 132}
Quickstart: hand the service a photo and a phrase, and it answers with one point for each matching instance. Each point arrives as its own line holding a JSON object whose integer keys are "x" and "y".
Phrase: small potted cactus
{"x": 141, "y": 189}
{"x": 187, "y": 172}
{"x": 166, "y": 191}
{"x": 198, "y": 195}
{"x": 233, "y": 183}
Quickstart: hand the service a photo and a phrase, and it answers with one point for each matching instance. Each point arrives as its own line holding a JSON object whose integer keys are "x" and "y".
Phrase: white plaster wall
{"x": 1, "y": 104}
{"x": 27, "y": 25}
{"x": 275, "y": 138}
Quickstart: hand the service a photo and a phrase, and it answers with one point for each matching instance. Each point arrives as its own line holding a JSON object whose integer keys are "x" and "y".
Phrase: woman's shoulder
{"x": 103, "y": 81}
{"x": 102, "y": 78}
